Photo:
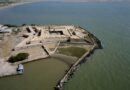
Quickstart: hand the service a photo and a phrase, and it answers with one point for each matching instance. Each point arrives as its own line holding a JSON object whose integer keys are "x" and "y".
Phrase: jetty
{"x": 76, "y": 65}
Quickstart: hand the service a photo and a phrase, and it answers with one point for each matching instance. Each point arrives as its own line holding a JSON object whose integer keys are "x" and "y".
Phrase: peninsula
{"x": 8, "y": 2}
{"x": 26, "y": 43}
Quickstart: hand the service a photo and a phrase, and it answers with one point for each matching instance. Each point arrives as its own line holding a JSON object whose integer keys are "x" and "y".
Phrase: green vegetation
{"x": 18, "y": 57}
{"x": 72, "y": 51}
{"x": 24, "y": 24}
{"x": 10, "y": 25}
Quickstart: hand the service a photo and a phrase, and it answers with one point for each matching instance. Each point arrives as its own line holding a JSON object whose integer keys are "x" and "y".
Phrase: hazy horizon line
{"x": 76, "y": 1}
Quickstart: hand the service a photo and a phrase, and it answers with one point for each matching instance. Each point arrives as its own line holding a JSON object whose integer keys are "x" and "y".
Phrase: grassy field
{"x": 72, "y": 51}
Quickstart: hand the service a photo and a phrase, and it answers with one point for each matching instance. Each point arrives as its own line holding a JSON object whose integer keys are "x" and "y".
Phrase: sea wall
{"x": 94, "y": 39}
{"x": 73, "y": 68}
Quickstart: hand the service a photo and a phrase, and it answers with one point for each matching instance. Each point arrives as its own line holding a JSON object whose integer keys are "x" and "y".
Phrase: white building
{"x": 5, "y": 29}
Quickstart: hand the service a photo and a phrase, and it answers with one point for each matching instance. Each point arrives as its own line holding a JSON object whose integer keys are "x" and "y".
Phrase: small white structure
{"x": 20, "y": 69}
{"x": 5, "y": 29}
{"x": 1, "y": 25}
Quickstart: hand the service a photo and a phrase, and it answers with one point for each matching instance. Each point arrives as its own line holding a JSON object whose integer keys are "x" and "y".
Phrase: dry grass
{"x": 72, "y": 51}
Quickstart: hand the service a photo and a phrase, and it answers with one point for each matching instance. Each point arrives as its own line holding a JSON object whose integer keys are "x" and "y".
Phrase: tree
{"x": 18, "y": 57}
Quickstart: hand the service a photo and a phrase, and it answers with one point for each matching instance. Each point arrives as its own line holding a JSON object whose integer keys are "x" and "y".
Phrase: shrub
{"x": 18, "y": 57}
{"x": 9, "y": 25}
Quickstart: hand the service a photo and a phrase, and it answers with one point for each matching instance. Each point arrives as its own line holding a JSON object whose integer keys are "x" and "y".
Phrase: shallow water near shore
{"x": 43, "y": 73}
{"x": 107, "y": 69}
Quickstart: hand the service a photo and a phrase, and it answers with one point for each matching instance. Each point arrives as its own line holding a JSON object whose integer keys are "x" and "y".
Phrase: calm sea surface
{"x": 107, "y": 69}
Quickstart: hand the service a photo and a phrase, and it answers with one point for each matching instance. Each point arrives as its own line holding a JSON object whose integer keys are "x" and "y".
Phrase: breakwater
{"x": 73, "y": 68}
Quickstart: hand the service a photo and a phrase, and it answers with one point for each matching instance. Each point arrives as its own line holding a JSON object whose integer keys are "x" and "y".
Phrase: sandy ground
{"x": 52, "y": 46}
{"x": 5, "y": 47}
{"x": 6, "y": 68}
{"x": 34, "y": 52}
{"x": 7, "y": 44}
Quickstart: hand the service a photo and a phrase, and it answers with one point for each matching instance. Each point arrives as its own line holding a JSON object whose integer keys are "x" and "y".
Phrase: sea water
{"x": 106, "y": 69}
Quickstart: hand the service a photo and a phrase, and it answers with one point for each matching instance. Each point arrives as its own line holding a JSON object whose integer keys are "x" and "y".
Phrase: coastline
{"x": 70, "y": 72}
{"x": 90, "y": 40}
{"x": 101, "y": 68}
{"x": 16, "y": 4}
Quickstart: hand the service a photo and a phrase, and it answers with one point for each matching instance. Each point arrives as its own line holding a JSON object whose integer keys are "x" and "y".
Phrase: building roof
{"x": 20, "y": 66}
